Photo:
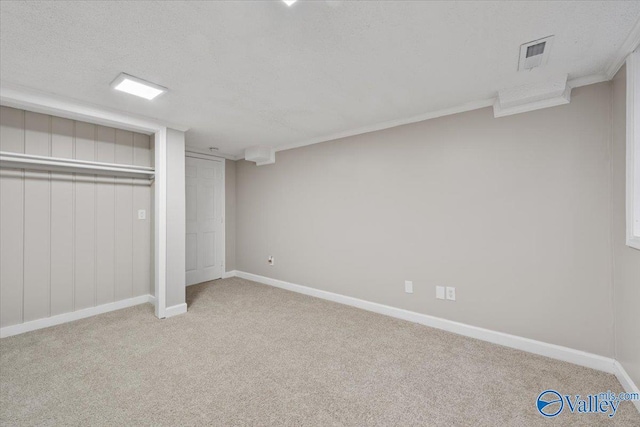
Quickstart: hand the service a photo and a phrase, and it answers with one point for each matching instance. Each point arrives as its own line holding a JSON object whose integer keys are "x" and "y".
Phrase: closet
{"x": 76, "y": 216}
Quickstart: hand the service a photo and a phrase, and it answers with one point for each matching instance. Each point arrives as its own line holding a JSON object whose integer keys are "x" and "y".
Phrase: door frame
{"x": 189, "y": 152}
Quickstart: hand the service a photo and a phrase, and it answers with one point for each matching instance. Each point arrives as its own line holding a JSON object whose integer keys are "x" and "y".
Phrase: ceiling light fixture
{"x": 138, "y": 87}
{"x": 289, "y": 2}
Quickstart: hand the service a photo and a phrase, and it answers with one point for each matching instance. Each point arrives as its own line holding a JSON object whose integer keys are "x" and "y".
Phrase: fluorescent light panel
{"x": 289, "y": 2}
{"x": 138, "y": 87}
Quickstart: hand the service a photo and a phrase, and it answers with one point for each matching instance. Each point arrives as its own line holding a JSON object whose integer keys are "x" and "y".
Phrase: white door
{"x": 205, "y": 219}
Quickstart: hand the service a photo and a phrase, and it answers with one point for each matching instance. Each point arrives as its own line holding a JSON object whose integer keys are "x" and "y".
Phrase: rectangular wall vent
{"x": 535, "y": 53}
{"x": 536, "y": 49}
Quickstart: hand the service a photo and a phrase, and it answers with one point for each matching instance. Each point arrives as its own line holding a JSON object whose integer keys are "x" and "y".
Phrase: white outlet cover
{"x": 142, "y": 214}
{"x": 440, "y": 292}
{"x": 408, "y": 286}
{"x": 451, "y": 293}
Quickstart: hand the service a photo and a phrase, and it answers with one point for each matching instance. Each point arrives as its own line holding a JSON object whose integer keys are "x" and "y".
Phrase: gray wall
{"x": 626, "y": 260}
{"x": 70, "y": 242}
{"x": 514, "y": 212}
{"x": 230, "y": 215}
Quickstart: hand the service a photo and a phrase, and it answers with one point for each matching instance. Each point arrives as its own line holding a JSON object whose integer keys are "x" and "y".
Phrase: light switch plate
{"x": 451, "y": 293}
{"x": 142, "y": 214}
{"x": 408, "y": 286}
{"x": 440, "y": 292}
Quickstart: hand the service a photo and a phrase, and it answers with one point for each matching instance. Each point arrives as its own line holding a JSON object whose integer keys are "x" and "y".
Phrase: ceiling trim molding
{"x": 630, "y": 44}
{"x": 16, "y": 96}
{"x": 25, "y": 98}
{"x": 469, "y": 106}
{"x": 588, "y": 80}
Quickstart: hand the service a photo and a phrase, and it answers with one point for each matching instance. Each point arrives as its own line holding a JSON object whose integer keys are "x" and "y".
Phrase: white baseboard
{"x": 175, "y": 310}
{"x": 553, "y": 351}
{"x": 227, "y": 274}
{"x": 626, "y": 381}
{"x": 21, "y": 328}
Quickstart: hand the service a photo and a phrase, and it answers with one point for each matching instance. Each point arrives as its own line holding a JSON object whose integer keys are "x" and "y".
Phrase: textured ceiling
{"x": 261, "y": 73}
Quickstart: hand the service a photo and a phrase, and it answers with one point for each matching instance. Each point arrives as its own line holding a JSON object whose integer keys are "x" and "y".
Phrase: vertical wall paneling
{"x": 105, "y": 219}
{"x": 71, "y": 241}
{"x": 12, "y": 129}
{"x": 141, "y": 232}
{"x": 124, "y": 147}
{"x": 62, "y": 232}
{"x": 105, "y": 240}
{"x": 11, "y": 220}
{"x": 11, "y": 246}
{"x": 124, "y": 218}
{"x": 37, "y": 257}
{"x": 37, "y": 222}
{"x": 85, "y": 141}
{"x": 141, "y": 150}
{"x": 124, "y": 238}
{"x": 62, "y": 137}
{"x": 105, "y": 144}
{"x": 84, "y": 242}
{"x": 37, "y": 134}
{"x": 85, "y": 226}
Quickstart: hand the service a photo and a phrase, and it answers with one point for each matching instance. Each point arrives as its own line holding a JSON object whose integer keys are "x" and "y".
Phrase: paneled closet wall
{"x": 71, "y": 241}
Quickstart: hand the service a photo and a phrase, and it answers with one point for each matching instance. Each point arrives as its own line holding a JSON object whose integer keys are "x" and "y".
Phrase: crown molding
{"x": 588, "y": 80}
{"x": 16, "y": 96}
{"x": 20, "y": 97}
{"x": 469, "y": 106}
{"x": 630, "y": 44}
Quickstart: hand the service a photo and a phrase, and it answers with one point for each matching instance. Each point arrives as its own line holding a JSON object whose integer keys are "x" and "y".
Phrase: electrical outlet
{"x": 408, "y": 286}
{"x": 440, "y": 292}
{"x": 451, "y": 293}
{"x": 271, "y": 260}
{"x": 142, "y": 214}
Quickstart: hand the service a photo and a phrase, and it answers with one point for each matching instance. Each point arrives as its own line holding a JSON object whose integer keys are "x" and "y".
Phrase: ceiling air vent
{"x": 535, "y": 53}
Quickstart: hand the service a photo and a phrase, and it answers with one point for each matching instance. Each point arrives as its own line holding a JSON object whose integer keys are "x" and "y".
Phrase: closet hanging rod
{"x": 56, "y": 164}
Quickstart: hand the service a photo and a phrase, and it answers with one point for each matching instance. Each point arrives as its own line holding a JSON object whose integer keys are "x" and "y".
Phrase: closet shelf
{"x": 55, "y": 164}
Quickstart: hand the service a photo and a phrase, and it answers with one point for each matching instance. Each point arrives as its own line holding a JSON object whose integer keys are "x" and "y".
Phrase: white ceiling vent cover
{"x": 260, "y": 155}
{"x": 535, "y": 54}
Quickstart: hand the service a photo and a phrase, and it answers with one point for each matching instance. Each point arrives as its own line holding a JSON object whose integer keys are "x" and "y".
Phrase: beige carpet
{"x": 249, "y": 354}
